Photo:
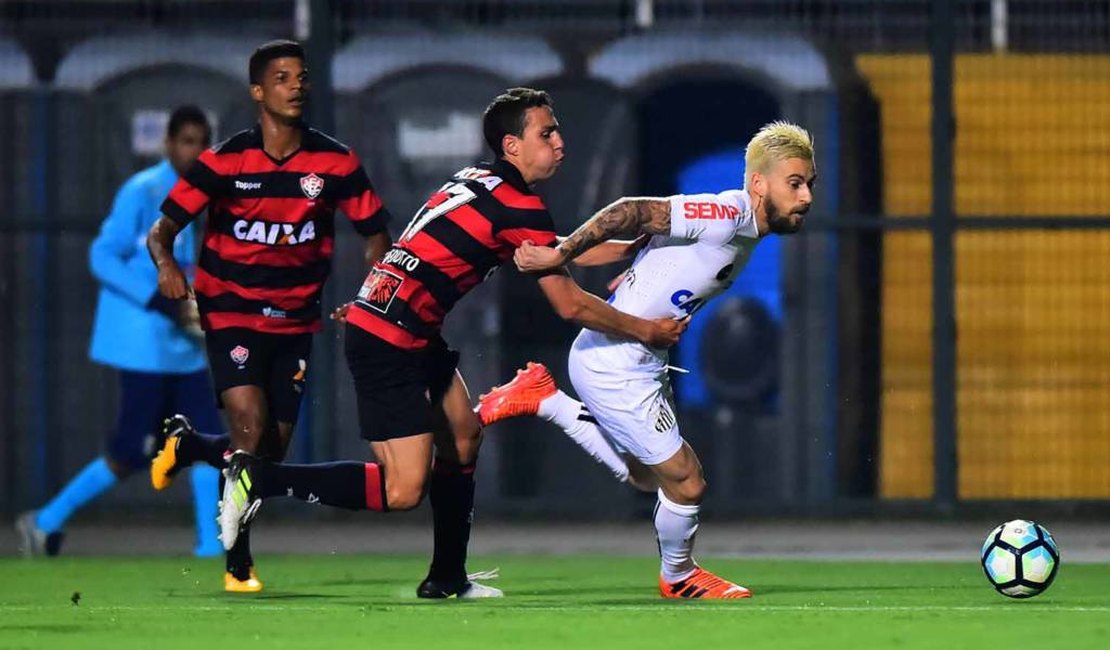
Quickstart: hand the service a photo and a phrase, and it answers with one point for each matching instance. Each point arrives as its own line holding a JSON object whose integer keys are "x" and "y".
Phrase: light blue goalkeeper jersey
{"x": 126, "y": 334}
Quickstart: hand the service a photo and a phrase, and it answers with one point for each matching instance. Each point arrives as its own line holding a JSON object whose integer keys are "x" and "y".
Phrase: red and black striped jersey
{"x": 271, "y": 228}
{"x": 464, "y": 232}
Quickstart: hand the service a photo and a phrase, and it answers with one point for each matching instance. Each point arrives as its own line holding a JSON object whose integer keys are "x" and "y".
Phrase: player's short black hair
{"x": 187, "y": 114}
{"x": 505, "y": 114}
{"x": 268, "y": 52}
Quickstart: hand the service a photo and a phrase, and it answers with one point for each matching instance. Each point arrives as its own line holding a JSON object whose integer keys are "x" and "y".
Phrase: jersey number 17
{"x": 451, "y": 196}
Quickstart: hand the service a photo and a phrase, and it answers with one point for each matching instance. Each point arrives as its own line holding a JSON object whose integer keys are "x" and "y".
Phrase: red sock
{"x": 350, "y": 484}
{"x": 375, "y": 488}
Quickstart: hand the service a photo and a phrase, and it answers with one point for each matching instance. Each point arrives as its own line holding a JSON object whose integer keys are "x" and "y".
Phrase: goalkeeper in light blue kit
{"x": 153, "y": 342}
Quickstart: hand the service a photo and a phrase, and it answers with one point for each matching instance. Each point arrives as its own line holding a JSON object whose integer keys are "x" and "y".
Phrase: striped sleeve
{"x": 522, "y": 218}
{"x": 362, "y": 205}
{"x": 537, "y": 228}
{"x": 195, "y": 190}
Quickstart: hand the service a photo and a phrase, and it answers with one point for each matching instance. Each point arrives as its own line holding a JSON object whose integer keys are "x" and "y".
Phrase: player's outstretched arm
{"x": 159, "y": 243}
{"x": 615, "y": 250}
{"x": 630, "y": 215}
{"x": 572, "y": 303}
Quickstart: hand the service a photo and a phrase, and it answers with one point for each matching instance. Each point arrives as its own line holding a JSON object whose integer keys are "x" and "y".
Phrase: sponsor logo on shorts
{"x": 664, "y": 417}
{"x": 239, "y": 355}
{"x": 312, "y": 185}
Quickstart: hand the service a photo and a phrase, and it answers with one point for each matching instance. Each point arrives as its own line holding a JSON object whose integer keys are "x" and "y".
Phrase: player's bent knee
{"x": 695, "y": 492}
{"x": 467, "y": 442}
{"x": 470, "y": 433}
{"x": 691, "y": 491}
{"x": 403, "y": 497}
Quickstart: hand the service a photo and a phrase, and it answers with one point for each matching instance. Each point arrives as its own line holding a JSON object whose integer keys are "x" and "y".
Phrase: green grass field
{"x": 552, "y": 602}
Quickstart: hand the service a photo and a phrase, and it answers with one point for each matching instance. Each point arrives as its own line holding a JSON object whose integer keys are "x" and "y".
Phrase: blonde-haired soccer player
{"x": 698, "y": 244}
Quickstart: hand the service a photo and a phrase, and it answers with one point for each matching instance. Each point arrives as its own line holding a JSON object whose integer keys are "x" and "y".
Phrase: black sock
{"x": 348, "y": 484}
{"x": 202, "y": 447}
{"x": 452, "y": 497}
{"x": 239, "y": 560}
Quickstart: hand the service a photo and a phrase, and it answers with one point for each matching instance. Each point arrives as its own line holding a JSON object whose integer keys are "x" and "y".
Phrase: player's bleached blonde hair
{"x": 779, "y": 140}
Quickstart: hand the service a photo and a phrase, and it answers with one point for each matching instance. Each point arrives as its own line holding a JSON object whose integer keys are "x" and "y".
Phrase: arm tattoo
{"x": 655, "y": 216}
{"x": 628, "y": 216}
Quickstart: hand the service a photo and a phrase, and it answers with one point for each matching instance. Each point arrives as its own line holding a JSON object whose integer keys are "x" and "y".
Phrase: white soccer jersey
{"x": 712, "y": 236}
{"x": 624, "y": 383}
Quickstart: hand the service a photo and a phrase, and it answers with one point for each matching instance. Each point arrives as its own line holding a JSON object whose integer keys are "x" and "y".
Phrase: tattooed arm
{"x": 608, "y": 252}
{"x": 628, "y": 216}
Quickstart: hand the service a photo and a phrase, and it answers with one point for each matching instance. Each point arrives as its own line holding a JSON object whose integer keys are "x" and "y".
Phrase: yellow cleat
{"x": 251, "y": 585}
{"x": 164, "y": 466}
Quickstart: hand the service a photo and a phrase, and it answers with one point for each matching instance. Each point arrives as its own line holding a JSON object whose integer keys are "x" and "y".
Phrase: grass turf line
{"x": 553, "y": 602}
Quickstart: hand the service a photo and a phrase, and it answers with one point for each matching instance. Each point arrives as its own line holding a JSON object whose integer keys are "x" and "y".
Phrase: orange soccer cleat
{"x": 521, "y": 396}
{"x": 702, "y": 584}
{"x": 251, "y": 585}
{"x": 165, "y": 467}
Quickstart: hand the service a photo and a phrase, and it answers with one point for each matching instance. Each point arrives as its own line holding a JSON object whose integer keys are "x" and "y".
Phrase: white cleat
{"x": 238, "y": 505}
{"x": 32, "y": 540}
{"x": 479, "y": 590}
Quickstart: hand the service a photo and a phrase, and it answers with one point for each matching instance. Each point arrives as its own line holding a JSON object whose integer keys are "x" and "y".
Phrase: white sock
{"x": 675, "y": 528}
{"x": 575, "y": 420}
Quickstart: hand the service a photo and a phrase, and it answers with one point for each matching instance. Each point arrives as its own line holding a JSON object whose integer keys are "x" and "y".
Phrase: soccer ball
{"x": 1020, "y": 558}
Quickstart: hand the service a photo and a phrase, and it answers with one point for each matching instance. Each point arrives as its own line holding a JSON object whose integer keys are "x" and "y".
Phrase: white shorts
{"x": 629, "y": 394}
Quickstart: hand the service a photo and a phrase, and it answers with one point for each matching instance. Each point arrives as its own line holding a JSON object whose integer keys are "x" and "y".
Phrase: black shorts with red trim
{"x": 276, "y": 363}
{"x": 399, "y": 391}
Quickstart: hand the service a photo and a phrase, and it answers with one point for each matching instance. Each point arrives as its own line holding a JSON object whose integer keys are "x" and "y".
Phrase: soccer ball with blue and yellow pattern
{"x": 1020, "y": 558}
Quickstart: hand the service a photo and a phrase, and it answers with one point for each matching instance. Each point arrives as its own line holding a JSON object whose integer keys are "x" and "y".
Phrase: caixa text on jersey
{"x": 275, "y": 234}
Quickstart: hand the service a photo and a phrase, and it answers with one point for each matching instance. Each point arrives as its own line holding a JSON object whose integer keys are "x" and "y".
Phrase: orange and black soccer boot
{"x": 521, "y": 396}
{"x": 704, "y": 585}
{"x": 166, "y": 465}
{"x": 251, "y": 585}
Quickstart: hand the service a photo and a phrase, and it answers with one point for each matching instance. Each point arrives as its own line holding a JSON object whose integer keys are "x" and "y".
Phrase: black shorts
{"x": 146, "y": 398}
{"x": 276, "y": 363}
{"x": 398, "y": 390}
